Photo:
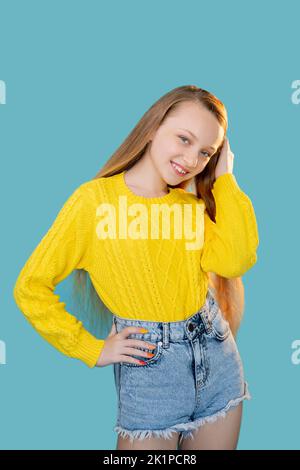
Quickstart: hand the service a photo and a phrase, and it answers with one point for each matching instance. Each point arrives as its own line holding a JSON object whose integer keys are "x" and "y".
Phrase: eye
{"x": 182, "y": 137}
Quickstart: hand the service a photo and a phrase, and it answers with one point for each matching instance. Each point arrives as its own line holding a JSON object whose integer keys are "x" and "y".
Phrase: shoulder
{"x": 91, "y": 189}
{"x": 96, "y": 191}
{"x": 88, "y": 186}
{"x": 96, "y": 184}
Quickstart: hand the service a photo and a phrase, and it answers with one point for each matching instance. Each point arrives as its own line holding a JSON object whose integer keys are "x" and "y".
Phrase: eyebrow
{"x": 190, "y": 132}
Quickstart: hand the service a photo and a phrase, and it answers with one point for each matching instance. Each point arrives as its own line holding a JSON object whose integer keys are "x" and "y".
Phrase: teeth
{"x": 178, "y": 168}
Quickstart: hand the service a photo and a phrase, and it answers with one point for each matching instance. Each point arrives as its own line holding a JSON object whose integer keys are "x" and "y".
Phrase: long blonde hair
{"x": 229, "y": 293}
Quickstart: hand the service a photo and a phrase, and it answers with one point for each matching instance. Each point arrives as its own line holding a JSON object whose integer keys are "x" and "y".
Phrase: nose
{"x": 191, "y": 161}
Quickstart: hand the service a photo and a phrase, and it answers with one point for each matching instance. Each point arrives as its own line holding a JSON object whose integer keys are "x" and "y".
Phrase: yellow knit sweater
{"x": 144, "y": 263}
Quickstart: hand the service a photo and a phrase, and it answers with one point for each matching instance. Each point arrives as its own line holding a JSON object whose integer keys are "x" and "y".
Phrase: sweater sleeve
{"x": 63, "y": 248}
{"x": 230, "y": 244}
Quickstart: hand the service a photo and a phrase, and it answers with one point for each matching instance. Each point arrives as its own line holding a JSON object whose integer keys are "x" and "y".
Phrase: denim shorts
{"x": 195, "y": 376}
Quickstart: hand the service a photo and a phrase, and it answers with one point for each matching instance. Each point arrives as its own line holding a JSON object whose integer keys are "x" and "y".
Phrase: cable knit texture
{"x": 138, "y": 277}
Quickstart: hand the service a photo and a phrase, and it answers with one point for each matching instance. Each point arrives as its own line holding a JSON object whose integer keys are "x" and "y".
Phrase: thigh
{"x": 151, "y": 443}
{"x": 157, "y": 397}
{"x": 221, "y": 434}
{"x": 220, "y": 372}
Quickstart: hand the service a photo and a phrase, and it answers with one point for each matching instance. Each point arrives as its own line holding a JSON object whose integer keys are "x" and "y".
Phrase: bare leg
{"x": 150, "y": 443}
{"x": 222, "y": 434}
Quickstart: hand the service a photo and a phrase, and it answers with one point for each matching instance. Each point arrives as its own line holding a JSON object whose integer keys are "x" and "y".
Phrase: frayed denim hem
{"x": 190, "y": 427}
{"x": 143, "y": 434}
{"x": 186, "y": 429}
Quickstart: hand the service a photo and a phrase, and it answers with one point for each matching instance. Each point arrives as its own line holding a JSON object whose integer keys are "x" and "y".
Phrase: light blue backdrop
{"x": 79, "y": 75}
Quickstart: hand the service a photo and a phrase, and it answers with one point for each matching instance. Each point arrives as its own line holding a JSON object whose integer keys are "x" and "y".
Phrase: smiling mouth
{"x": 178, "y": 170}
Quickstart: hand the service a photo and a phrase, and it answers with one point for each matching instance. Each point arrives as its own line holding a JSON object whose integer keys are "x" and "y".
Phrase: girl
{"x": 164, "y": 233}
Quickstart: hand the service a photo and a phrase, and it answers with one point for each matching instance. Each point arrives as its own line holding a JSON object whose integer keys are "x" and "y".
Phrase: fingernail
{"x": 144, "y": 330}
{"x": 142, "y": 362}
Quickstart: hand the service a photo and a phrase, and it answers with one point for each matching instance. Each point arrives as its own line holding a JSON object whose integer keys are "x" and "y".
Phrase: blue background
{"x": 79, "y": 75}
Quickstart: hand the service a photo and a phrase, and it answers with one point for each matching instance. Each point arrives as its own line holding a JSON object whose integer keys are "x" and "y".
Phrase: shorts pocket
{"x": 149, "y": 360}
{"x": 220, "y": 326}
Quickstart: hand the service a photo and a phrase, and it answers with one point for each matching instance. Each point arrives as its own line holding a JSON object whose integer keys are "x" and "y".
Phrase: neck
{"x": 144, "y": 177}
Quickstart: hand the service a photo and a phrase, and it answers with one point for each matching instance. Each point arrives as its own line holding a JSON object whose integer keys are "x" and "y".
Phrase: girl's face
{"x": 185, "y": 142}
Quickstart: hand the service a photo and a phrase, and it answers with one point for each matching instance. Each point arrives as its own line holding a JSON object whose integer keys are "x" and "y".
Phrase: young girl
{"x": 165, "y": 233}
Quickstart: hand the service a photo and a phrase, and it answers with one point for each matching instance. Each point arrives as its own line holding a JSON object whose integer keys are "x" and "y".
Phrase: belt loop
{"x": 204, "y": 313}
{"x": 166, "y": 331}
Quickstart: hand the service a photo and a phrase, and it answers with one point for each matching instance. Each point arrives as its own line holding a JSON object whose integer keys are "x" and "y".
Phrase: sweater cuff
{"x": 226, "y": 184}
{"x": 89, "y": 348}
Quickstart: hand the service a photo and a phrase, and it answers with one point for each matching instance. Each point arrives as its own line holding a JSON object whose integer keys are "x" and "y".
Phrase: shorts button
{"x": 191, "y": 327}
{"x": 159, "y": 343}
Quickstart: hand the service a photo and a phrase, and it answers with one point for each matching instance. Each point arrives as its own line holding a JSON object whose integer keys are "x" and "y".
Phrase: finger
{"x": 139, "y": 343}
{"x": 131, "y": 360}
{"x": 129, "y": 330}
{"x": 225, "y": 141}
{"x": 223, "y": 145}
{"x": 113, "y": 330}
{"x": 137, "y": 352}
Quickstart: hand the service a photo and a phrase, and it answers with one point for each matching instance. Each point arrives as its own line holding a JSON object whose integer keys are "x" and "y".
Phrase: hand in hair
{"x": 225, "y": 160}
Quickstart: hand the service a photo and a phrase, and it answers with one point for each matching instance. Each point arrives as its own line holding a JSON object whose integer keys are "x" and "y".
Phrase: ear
{"x": 150, "y": 137}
